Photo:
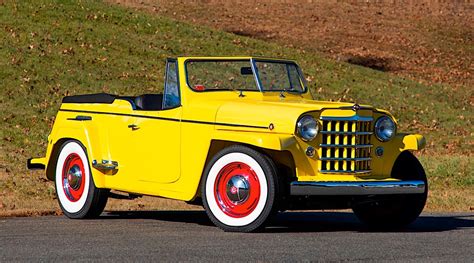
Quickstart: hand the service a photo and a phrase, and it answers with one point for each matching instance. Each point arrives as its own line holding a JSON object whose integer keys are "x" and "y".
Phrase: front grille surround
{"x": 345, "y": 146}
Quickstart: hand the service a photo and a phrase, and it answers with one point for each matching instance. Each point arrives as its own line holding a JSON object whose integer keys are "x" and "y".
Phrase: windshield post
{"x": 303, "y": 79}
{"x": 255, "y": 74}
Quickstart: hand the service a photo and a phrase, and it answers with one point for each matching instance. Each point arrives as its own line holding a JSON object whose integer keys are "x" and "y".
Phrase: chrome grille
{"x": 345, "y": 145}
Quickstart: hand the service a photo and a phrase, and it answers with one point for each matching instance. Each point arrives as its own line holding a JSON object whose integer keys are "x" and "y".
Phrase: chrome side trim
{"x": 352, "y": 118}
{"x": 105, "y": 165}
{"x": 358, "y": 188}
{"x": 346, "y": 146}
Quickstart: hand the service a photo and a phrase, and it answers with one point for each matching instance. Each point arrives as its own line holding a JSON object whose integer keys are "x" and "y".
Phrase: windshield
{"x": 215, "y": 75}
{"x": 220, "y": 75}
{"x": 279, "y": 76}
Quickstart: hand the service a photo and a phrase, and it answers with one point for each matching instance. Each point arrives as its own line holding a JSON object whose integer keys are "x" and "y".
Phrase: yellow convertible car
{"x": 243, "y": 137}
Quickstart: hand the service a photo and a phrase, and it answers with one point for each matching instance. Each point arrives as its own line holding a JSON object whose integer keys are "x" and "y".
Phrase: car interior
{"x": 141, "y": 102}
{"x": 145, "y": 101}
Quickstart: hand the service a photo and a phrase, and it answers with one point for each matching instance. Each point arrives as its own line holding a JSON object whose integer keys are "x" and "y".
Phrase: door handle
{"x": 134, "y": 127}
{"x": 81, "y": 118}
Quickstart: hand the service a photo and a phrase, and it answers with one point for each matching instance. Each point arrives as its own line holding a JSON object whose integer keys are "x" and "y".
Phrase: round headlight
{"x": 385, "y": 128}
{"x": 307, "y": 128}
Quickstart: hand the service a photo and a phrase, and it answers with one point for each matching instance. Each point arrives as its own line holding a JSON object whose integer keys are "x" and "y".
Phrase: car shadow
{"x": 347, "y": 221}
{"x": 309, "y": 221}
{"x": 185, "y": 216}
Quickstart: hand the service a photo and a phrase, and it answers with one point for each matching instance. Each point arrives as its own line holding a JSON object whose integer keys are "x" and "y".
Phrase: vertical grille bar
{"x": 345, "y": 128}
{"x": 353, "y": 142}
{"x": 336, "y": 141}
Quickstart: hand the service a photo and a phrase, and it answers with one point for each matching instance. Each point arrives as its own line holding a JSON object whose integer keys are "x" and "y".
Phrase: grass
{"x": 451, "y": 182}
{"x": 50, "y": 49}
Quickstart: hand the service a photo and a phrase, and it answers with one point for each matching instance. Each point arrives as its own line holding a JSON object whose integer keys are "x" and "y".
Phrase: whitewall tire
{"x": 75, "y": 189}
{"x": 239, "y": 189}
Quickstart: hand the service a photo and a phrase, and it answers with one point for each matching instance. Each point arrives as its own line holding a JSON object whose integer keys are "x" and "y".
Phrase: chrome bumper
{"x": 358, "y": 188}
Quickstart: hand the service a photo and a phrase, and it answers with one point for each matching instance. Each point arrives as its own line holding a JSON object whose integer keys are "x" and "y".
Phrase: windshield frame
{"x": 253, "y": 65}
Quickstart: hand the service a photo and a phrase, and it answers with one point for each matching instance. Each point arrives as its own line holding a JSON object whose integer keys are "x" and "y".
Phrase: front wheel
{"x": 75, "y": 189}
{"x": 395, "y": 211}
{"x": 239, "y": 189}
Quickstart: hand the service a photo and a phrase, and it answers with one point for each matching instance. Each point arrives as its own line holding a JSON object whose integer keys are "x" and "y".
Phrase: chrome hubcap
{"x": 238, "y": 189}
{"x": 74, "y": 176}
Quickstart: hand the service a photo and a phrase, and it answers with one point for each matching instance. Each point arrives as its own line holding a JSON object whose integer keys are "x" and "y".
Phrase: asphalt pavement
{"x": 189, "y": 236}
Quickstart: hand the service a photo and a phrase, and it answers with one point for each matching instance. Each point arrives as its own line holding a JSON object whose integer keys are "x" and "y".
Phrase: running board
{"x": 126, "y": 197}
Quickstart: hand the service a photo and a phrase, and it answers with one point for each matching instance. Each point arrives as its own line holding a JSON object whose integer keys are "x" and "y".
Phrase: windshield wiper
{"x": 282, "y": 95}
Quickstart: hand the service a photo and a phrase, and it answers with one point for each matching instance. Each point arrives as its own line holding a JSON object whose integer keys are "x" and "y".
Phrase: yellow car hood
{"x": 283, "y": 113}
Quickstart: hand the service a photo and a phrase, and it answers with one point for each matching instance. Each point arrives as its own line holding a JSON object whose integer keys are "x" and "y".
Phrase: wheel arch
{"x": 53, "y": 158}
{"x": 404, "y": 166}
{"x": 401, "y": 146}
{"x": 283, "y": 160}
{"x": 81, "y": 133}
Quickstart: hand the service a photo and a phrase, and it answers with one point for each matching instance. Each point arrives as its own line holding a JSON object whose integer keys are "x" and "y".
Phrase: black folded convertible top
{"x": 90, "y": 98}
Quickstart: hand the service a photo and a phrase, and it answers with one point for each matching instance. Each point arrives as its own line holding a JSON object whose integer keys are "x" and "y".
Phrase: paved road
{"x": 189, "y": 236}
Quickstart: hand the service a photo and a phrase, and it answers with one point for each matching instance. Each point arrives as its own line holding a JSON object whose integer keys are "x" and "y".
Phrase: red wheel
{"x": 237, "y": 189}
{"x": 77, "y": 195}
{"x": 73, "y": 177}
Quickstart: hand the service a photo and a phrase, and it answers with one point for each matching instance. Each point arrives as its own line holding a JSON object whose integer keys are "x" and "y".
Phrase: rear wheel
{"x": 239, "y": 189}
{"x": 75, "y": 189}
{"x": 396, "y": 211}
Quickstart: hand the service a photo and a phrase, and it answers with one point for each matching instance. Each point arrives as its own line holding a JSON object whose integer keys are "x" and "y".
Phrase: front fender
{"x": 413, "y": 142}
{"x": 271, "y": 141}
{"x": 392, "y": 149}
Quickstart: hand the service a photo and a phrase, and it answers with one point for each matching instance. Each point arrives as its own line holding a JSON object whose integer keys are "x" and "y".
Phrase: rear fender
{"x": 84, "y": 132}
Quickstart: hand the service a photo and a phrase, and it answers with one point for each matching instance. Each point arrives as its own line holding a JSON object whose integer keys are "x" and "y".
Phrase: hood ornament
{"x": 356, "y": 107}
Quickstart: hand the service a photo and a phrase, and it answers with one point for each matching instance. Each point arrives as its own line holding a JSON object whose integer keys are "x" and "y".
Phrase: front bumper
{"x": 358, "y": 188}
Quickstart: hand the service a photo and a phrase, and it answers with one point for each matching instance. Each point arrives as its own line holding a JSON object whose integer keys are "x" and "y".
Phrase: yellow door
{"x": 157, "y": 144}
{"x": 157, "y": 135}
{"x": 117, "y": 144}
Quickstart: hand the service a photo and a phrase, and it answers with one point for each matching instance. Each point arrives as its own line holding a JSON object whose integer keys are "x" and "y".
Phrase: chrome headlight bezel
{"x": 307, "y": 128}
{"x": 385, "y": 128}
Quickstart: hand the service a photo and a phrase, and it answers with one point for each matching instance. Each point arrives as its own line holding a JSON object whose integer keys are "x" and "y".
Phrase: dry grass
{"x": 448, "y": 200}
{"x": 430, "y": 41}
